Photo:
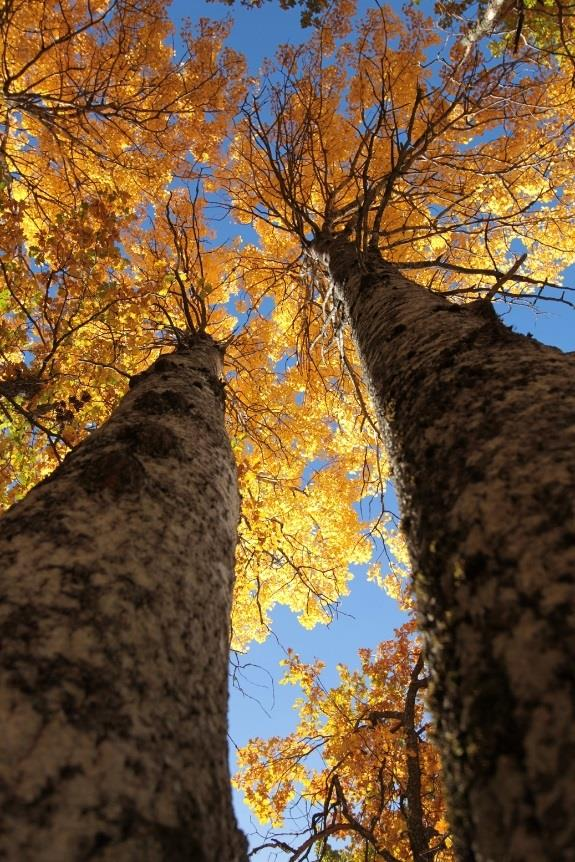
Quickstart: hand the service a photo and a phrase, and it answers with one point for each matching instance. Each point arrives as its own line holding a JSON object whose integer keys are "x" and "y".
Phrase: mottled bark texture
{"x": 115, "y": 591}
{"x": 480, "y": 422}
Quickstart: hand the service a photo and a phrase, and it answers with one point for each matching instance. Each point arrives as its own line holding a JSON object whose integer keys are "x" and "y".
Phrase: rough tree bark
{"x": 480, "y": 422}
{"x": 116, "y": 584}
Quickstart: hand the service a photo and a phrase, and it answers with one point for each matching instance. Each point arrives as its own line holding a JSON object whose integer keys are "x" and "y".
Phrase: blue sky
{"x": 367, "y": 616}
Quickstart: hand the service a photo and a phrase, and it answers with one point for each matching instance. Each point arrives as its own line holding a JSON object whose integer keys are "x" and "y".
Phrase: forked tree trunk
{"x": 116, "y": 582}
{"x": 481, "y": 426}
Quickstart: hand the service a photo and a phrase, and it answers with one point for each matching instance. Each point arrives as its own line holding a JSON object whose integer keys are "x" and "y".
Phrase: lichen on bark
{"x": 115, "y": 587}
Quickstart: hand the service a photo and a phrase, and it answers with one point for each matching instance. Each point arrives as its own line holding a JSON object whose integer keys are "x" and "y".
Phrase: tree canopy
{"x": 120, "y": 156}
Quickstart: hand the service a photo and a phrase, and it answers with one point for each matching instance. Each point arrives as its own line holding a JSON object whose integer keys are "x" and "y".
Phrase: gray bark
{"x": 115, "y": 592}
{"x": 480, "y": 422}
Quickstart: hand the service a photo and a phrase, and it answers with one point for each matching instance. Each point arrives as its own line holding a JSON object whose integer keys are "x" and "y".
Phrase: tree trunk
{"x": 116, "y": 587}
{"x": 480, "y": 422}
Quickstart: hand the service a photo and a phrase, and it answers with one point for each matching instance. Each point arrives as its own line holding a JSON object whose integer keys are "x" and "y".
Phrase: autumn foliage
{"x": 118, "y": 150}
{"x": 359, "y": 767}
{"x": 89, "y": 143}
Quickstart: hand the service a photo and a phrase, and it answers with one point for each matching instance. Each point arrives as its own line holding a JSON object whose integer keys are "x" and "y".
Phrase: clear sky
{"x": 367, "y": 616}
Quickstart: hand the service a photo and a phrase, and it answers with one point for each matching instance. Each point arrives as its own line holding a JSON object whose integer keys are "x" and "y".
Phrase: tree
{"x": 479, "y": 420}
{"x": 358, "y": 768}
{"x": 114, "y": 673}
{"x": 96, "y": 129}
{"x": 115, "y": 640}
{"x": 494, "y": 597}
{"x": 293, "y": 558}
